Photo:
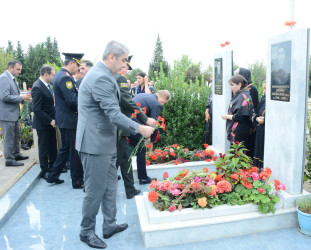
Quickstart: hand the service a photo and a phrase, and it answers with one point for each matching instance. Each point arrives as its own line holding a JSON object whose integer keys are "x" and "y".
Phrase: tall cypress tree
{"x": 158, "y": 58}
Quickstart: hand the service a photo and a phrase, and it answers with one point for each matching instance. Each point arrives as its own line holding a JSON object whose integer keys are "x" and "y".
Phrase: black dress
{"x": 241, "y": 107}
{"x": 260, "y": 135}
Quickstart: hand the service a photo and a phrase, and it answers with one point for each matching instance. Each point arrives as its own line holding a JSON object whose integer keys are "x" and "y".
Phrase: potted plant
{"x": 304, "y": 216}
{"x": 26, "y": 136}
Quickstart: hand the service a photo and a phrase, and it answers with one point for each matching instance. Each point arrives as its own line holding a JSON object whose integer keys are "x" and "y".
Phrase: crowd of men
{"x": 87, "y": 105}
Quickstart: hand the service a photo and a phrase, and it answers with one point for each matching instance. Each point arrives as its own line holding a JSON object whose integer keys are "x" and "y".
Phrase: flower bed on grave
{"x": 177, "y": 154}
{"x": 235, "y": 182}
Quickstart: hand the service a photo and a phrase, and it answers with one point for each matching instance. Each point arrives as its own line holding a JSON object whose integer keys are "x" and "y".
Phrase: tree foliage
{"x": 158, "y": 58}
{"x": 258, "y": 69}
{"x": 184, "y": 114}
{"x": 33, "y": 59}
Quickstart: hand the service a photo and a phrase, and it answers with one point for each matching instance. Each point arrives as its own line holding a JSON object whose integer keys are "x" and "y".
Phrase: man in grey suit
{"x": 99, "y": 116}
{"x": 10, "y": 99}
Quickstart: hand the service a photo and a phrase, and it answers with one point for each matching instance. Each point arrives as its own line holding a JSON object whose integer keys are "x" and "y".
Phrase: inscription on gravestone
{"x": 218, "y": 76}
{"x": 281, "y": 71}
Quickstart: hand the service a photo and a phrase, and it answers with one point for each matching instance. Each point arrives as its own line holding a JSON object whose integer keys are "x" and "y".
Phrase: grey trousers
{"x": 100, "y": 181}
{"x": 11, "y": 140}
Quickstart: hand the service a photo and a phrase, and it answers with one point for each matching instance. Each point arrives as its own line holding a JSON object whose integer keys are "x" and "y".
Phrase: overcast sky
{"x": 195, "y": 28}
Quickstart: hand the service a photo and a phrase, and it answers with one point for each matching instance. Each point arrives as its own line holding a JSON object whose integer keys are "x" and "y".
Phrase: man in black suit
{"x": 43, "y": 120}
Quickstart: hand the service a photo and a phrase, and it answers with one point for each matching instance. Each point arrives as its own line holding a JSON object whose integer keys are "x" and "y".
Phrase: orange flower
{"x": 212, "y": 192}
{"x": 173, "y": 154}
{"x": 234, "y": 176}
{"x": 186, "y": 149}
{"x": 153, "y": 196}
{"x": 148, "y": 146}
{"x": 184, "y": 174}
{"x": 247, "y": 184}
{"x": 179, "y": 207}
{"x": 211, "y": 152}
{"x": 214, "y": 158}
{"x": 148, "y": 163}
{"x": 205, "y": 145}
{"x": 205, "y": 170}
{"x": 202, "y": 202}
{"x": 175, "y": 145}
{"x": 263, "y": 175}
{"x": 165, "y": 154}
{"x": 176, "y": 162}
{"x": 268, "y": 170}
{"x": 208, "y": 160}
{"x": 153, "y": 184}
{"x": 254, "y": 169}
{"x": 195, "y": 186}
{"x": 197, "y": 155}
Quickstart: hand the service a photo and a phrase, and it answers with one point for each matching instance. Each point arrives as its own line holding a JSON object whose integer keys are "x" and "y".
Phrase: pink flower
{"x": 165, "y": 175}
{"x": 171, "y": 150}
{"x": 196, "y": 179}
{"x": 166, "y": 185}
{"x": 172, "y": 208}
{"x": 175, "y": 192}
{"x": 255, "y": 176}
{"x": 211, "y": 182}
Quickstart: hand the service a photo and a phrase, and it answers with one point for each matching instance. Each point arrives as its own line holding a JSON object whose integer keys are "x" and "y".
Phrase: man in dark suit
{"x": 128, "y": 107}
{"x": 99, "y": 117}
{"x": 66, "y": 116}
{"x": 43, "y": 120}
{"x": 10, "y": 99}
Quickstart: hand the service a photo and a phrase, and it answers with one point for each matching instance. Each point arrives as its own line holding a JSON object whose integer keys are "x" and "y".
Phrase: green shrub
{"x": 184, "y": 114}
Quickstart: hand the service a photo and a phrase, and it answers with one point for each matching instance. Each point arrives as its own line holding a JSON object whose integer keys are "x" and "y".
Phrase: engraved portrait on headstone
{"x": 218, "y": 76}
{"x": 280, "y": 71}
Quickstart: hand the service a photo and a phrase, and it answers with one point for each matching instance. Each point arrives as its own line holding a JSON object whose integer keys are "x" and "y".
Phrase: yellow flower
{"x": 178, "y": 147}
{"x": 202, "y": 202}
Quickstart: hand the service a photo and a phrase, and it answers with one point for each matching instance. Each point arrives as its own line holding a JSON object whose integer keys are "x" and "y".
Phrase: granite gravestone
{"x": 286, "y": 107}
{"x": 223, "y": 64}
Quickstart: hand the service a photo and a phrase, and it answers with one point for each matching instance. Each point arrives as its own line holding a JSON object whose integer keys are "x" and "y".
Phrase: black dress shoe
{"x": 21, "y": 158}
{"x": 146, "y": 181}
{"x": 44, "y": 175}
{"x": 133, "y": 194}
{"x": 13, "y": 163}
{"x": 56, "y": 181}
{"x": 78, "y": 186}
{"x": 93, "y": 241}
{"x": 118, "y": 229}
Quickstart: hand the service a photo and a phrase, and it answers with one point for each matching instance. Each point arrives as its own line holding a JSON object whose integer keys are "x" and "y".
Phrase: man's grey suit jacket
{"x": 99, "y": 113}
{"x": 9, "y": 98}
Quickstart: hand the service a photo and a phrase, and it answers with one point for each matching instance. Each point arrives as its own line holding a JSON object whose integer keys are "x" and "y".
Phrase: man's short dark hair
{"x": 46, "y": 69}
{"x": 12, "y": 63}
{"x": 88, "y": 63}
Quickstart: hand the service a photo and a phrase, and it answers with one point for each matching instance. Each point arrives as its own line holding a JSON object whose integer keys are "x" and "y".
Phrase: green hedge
{"x": 185, "y": 113}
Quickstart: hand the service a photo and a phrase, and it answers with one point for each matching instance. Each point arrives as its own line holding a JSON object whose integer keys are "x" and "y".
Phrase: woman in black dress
{"x": 240, "y": 111}
{"x": 260, "y": 131}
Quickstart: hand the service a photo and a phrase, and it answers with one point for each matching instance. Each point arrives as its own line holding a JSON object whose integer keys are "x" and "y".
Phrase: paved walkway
{"x": 50, "y": 215}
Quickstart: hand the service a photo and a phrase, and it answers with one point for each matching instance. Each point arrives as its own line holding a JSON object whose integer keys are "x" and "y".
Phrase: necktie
{"x": 50, "y": 89}
{"x": 16, "y": 85}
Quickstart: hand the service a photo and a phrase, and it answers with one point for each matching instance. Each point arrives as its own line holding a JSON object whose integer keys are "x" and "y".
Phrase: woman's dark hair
{"x": 142, "y": 74}
{"x": 236, "y": 79}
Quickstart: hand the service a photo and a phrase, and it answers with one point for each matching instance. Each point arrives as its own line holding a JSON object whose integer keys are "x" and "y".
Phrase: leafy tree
{"x": 132, "y": 74}
{"x": 19, "y": 53}
{"x": 158, "y": 58}
{"x": 5, "y": 57}
{"x": 10, "y": 48}
{"x": 258, "y": 69}
{"x": 183, "y": 63}
{"x": 192, "y": 72}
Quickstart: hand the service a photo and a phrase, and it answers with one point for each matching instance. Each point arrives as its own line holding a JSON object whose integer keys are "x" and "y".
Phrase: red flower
{"x": 153, "y": 196}
{"x": 136, "y": 111}
{"x": 173, "y": 154}
{"x": 195, "y": 186}
{"x": 158, "y": 137}
{"x": 218, "y": 177}
{"x": 254, "y": 169}
{"x": 186, "y": 149}
{"x": 260, "y": 190}
{"x": 145, "y": 110}
{"x": 234, "y": 176}
{"x": 223, "y": 186}
{"x": 148, "y": 163}
{"x": 247, "y": 184}
{"x": 153, "y": 184}
{"x": 208, "y": 160}
{"x": 128, "y": 140}
{"x": 214, "y": 158}
{"x": 134, "y": 115}
{"x": 197, "y": 155}
{"x": 153, "y": 157}
{"x": 138, "y": 104}
{"x": 148, "y": 146}
{"x": 212, "y": 192}
{"x": 165, "y": 154}
{"x": 176, "y": 162}
{"x": 205, "y": 170}
{"x": 175, "y": 145}
{"x": 263, "y": 175}
{"x": 205, "y": 145}
{"x": 268, "y": 170}
{"x": 165, "y": 175}
{"x": 227, "y": 43}
{"x": 179, "y": 207}
{"x": 222, "y": 45}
